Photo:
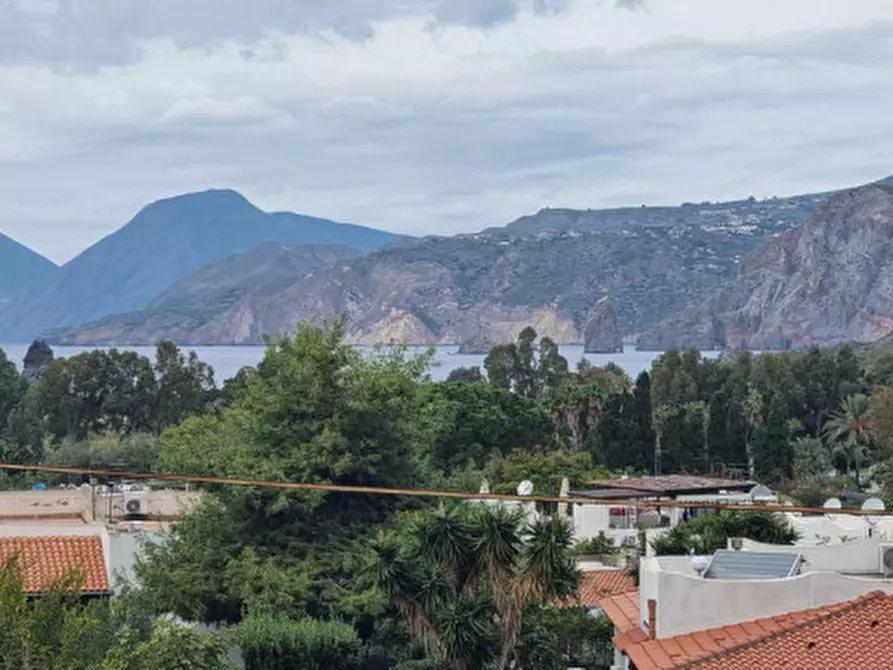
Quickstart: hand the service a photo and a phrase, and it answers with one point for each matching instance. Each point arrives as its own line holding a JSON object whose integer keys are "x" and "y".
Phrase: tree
{"x": 12, "y": 389}
{"x": 95, "y": 391}
{"x": 772, "y": 441}
{"x": 464, "y": 575}
{"x": 880, "y": 419}
{"x": 517, "y": 367}
{"x": 706, "y": 534}
{"x": 624, "y": 434}
{"x": 847, "y": 433}
{"x": 577, "y": 401}
{"x": 470, "y": 421}
{"x": 184, "y": 385}
{"x": 59, "y": 630}
{"x": 752, "y": 408}
{"x": 169, "y": 646}
{"x": 271, "y": 642}
{"x": 472, "y": 374}
{"x": 316, "y": 410}
{"x": 811, "y": 458}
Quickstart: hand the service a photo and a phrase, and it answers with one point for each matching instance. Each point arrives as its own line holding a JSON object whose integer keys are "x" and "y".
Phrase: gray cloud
{"x": 88, "y": 33}
{"x": 442, "y": 131}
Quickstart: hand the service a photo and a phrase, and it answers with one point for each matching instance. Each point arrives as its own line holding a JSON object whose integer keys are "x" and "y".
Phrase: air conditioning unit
{"x": 135, "y": 504}
{"x": 885, "y": 560}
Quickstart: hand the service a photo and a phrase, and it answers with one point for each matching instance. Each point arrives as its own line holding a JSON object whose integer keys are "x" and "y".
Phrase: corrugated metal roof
{"x": 727, "y": 564}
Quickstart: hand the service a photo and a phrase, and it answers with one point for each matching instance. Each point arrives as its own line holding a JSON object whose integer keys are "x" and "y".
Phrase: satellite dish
{"x": 761, "y": 492}
{"x": 832, "y": 504}
{"x": 700, "y": 564}
{"x": 525, "y": 488}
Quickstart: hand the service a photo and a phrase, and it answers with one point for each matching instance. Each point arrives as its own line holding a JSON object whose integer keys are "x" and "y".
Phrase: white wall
{"x": 821, "y": 529}
{"x": 687, "y": 603}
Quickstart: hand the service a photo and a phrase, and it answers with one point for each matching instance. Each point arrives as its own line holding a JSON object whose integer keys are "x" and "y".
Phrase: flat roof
{"x": 671, "y": 484}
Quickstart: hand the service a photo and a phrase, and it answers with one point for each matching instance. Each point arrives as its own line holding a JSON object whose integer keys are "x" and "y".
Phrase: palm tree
{"x": 463, "y": 575}
{"x": 753, "y": 414}
{"x": 846, "y": 432}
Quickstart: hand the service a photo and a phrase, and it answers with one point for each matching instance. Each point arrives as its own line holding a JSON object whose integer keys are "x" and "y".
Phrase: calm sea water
{"x": 227, "y": 361}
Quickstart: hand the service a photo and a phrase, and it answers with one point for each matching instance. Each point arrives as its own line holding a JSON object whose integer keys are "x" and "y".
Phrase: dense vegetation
{"x": 360, "y": 581}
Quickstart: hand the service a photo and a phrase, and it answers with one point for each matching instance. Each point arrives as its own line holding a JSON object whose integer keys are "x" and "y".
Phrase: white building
{"x": 748, "y": 598}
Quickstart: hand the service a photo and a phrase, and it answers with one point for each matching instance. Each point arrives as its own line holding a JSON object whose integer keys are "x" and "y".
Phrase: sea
{"x": 227, "y": 361}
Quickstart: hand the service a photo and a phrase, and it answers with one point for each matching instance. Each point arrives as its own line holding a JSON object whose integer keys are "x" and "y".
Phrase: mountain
{"x": 215, "y": 304}
{"x": 165, "y": 242}
{"x": 828, "y": 281}
{"x": 549, "y": 270}
{"x": 21, "y": 268}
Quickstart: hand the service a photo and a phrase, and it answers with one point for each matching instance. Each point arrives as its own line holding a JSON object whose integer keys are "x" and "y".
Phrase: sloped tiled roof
{"x": 623, "y": 610}
{"x": 857, "y": 635}
{"x": 44, "y": 560}
{"x": 764, "y": 643}
{"x": 598, "y": 584}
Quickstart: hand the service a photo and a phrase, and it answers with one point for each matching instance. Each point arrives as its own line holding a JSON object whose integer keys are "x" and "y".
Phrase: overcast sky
{"x": 431, "y": 116}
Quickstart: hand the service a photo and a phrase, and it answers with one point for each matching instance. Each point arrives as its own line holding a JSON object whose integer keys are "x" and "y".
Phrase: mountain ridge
{"x": 164, "y": 242}
{"x": 651, "y": 262}
{"x": 21, "y": 267}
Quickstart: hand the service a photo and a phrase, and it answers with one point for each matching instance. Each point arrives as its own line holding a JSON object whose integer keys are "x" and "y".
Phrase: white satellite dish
{"x": 832, "y": 504}
{"x": 525, "y": 488}
{"x": 872, "y": 505}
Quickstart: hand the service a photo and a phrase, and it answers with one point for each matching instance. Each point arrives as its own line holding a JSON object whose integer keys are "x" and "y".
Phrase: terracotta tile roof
{"x": 761, "y": 643}
{"x": 672, "y": 484}
{"x": 858, "y": 635}
{"x": 46, "y": 559}
{"x": 598, "y": 584}
{"x": 623, "y": 610}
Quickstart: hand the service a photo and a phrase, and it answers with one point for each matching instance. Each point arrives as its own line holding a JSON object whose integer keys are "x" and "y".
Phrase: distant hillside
{"x": 828, "y": 281}
{"x": 549, "y": 270}
{"x": 21, "y": 268}
{"x": 216, "y": 303}
{"x": 164, "y": 243}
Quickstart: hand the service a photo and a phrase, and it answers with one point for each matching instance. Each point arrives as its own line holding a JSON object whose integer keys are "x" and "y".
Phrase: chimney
{"x": 652, "y": 618}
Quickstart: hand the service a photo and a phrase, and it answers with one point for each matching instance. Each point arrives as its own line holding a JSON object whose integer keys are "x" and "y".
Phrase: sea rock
{"x": 478, "y": 345}
{"x": 601, "y": 334}
{"x": 37, "y": 358}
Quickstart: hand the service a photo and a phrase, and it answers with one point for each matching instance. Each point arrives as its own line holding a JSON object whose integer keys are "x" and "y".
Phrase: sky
{"x": 431, "y": 116}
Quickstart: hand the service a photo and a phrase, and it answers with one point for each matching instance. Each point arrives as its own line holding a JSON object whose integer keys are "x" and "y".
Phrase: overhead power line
{"x": 432, "y": 493}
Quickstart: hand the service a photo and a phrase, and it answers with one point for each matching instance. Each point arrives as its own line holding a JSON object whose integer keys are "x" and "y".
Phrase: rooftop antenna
{"x": 872, "y": 505}
{"x": 832, "y": 504}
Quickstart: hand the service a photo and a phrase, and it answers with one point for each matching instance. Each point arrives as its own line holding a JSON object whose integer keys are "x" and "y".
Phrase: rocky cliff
{"x": 827, "y": 281}
{"x": 221, "y": 303}
{"x": 601, "y": 334}
{"x": 548, "y": 270}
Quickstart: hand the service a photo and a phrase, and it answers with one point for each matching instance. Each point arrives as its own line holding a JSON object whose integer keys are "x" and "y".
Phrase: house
{"x": 44, "y": 561}
{"x": 623, "y": 520}
{"x": 752, "y": 604}
{"x": 100, "y": 514}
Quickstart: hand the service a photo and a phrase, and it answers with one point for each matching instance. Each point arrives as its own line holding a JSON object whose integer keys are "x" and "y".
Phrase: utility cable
{"x": 434, "y": 493}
